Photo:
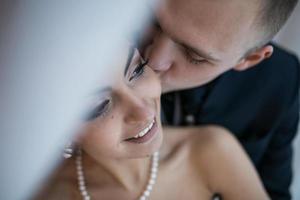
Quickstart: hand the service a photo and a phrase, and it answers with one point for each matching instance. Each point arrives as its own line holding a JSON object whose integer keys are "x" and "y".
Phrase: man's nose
{"x": 137, "y": 110}
{"x": 160, "y": 53}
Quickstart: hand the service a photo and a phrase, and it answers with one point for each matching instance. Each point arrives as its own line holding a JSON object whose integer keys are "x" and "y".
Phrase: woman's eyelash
{"x": 100, "y": 110}
{"x": 139, "y": 70}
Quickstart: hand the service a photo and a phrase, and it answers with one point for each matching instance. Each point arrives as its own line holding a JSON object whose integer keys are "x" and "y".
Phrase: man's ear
{"x": 255, "y": 58}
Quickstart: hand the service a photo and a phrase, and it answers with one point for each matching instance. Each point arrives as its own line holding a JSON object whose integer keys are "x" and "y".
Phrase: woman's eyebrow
{"x": 129, "y": 58}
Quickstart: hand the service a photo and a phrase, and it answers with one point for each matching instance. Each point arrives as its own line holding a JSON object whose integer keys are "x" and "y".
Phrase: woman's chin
{"x": 140, "y": 150}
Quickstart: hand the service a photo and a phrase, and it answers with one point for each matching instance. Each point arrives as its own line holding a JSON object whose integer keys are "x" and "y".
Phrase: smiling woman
{"x": 123, "y": 124}
{"x": 128, "y": 110}
{"x": 121, "y": 153}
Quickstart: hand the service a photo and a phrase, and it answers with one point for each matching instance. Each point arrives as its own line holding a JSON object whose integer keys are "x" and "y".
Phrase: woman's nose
{"x": 160, "y": 53}
{"x": 137, "y": 110}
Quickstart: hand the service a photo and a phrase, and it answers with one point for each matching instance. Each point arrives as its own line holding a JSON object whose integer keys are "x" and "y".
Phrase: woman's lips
{"x": 147, "y": 135}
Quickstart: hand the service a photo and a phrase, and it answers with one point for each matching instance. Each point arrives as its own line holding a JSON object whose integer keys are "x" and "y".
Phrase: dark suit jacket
{"x": 260, "y": 106}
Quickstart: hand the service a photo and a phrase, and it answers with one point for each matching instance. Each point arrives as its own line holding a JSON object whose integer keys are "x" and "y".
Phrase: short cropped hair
{"x": 274, "y": 14}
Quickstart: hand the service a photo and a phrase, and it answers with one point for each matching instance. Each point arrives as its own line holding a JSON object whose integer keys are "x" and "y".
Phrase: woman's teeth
{"x": 145, "y": 131}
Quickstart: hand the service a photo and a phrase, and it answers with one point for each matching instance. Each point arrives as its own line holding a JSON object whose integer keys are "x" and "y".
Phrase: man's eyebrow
{"x": 129, "y": 58}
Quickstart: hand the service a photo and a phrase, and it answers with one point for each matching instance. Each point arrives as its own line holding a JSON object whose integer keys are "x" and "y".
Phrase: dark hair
{"x": 274, "y": 15}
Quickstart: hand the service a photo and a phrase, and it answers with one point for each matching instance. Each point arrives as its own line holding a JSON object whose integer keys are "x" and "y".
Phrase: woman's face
{"x": 126, "y": 120}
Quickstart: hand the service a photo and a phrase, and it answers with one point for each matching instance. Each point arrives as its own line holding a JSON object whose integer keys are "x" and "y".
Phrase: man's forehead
{"x": 216, "y": 24}
{"x": 213, "y": 4}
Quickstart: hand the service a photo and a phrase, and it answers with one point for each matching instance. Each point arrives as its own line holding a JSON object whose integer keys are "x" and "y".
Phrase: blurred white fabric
{"x": 289, "y": 38}
{"x": 53, "y": 56}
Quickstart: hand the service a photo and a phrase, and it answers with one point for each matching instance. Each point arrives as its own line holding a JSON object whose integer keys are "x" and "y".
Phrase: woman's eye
{"x": 100, "y": 110}
{"x": 139, "y": 70}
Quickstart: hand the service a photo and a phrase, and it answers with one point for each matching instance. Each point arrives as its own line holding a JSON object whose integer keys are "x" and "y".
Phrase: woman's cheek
{"x": 156, "y": 85}
{"x": 151, "y": 83}
{"x": 98, "y": 130}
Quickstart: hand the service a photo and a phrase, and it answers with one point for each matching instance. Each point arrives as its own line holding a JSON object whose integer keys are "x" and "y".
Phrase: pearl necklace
{"x": 81, "y": 179}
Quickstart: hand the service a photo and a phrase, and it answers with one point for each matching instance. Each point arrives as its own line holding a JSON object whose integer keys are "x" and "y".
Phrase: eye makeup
{"x": 133, "y": 70}
{"x": 100, "y": 109}
{"x": 139, "y": 70}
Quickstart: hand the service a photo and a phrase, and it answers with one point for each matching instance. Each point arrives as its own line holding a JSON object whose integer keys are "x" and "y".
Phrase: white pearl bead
{"x": 81, "y": 183}
{"x": 153, "y": 176}
{"x": 79, "y": 173}
{"x": 79, "y": 167}
{"x": 155, "y": 164}
{"x": 153, "y": 169}
{"x": 81, "y": 179}
{"x": 146, "y": 193}
{"x": 151, "y": 182}
{"x": 149, "y": 187}
{"x": 143, "y": 198}
{"x": 81, "y": 187}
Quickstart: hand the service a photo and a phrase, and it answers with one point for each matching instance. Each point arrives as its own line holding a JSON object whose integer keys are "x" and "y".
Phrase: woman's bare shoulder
{"x": 224, "y": 164}
{"x": 214, "y": 139}
{"x": 203, "y": 143}
{"x": 208, "y": 144}
{"x": 202, "y": 137}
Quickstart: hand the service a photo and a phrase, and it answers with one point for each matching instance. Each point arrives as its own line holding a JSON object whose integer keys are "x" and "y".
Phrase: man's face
{"x": 195, "y": 41}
